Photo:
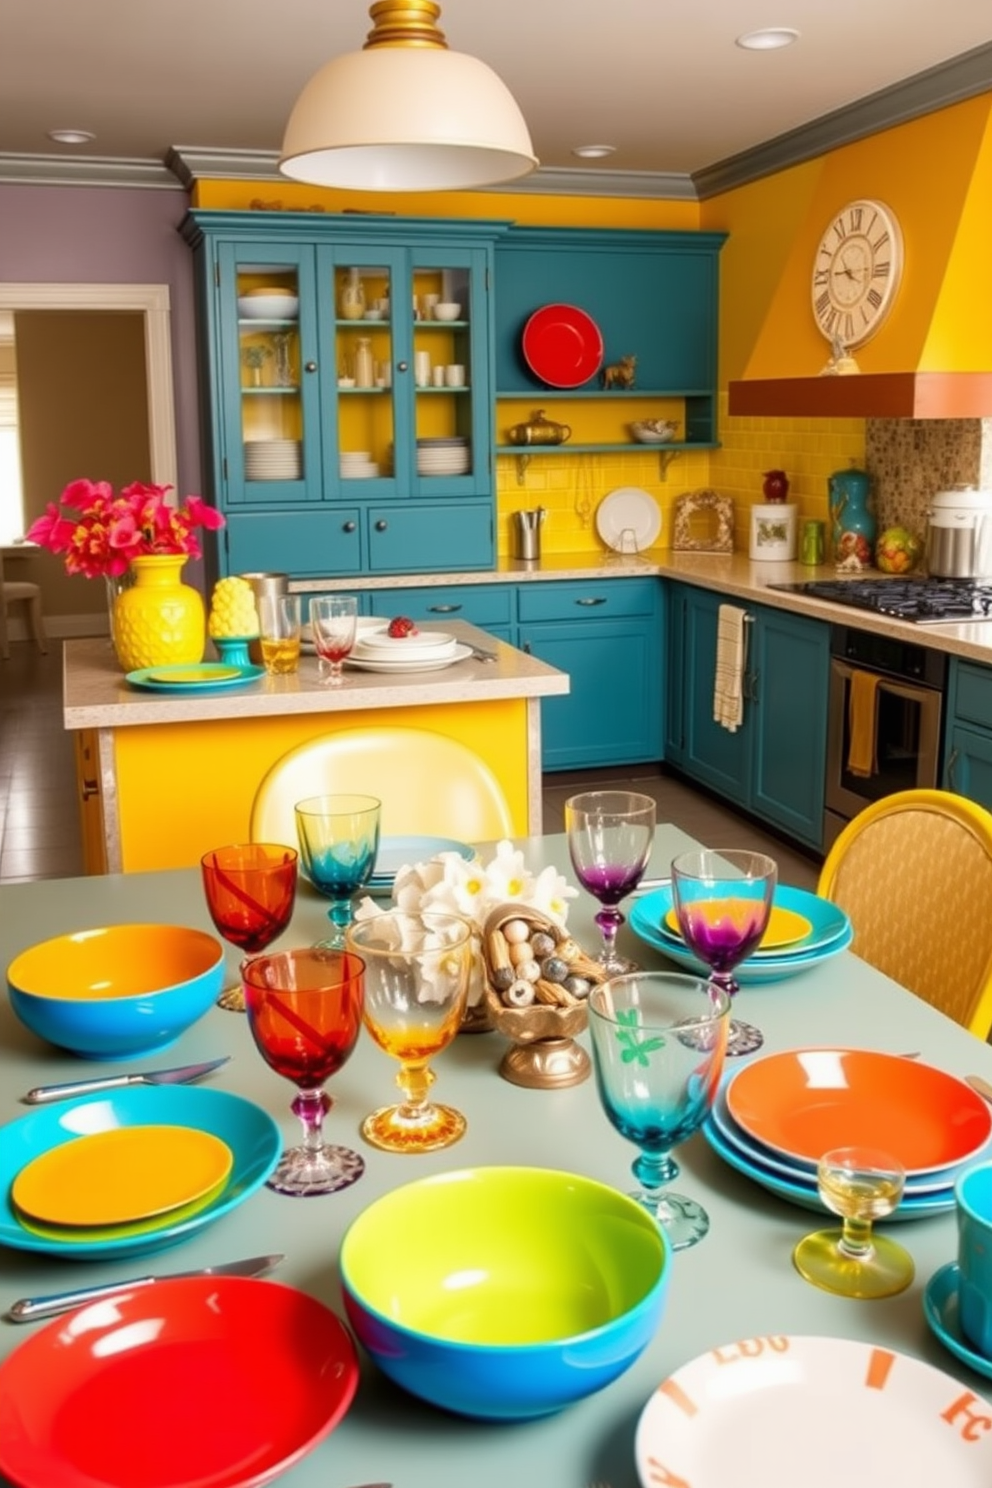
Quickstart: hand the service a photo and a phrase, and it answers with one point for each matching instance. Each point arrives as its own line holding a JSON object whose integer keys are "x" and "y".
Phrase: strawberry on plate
{"x": 401, "y": 626}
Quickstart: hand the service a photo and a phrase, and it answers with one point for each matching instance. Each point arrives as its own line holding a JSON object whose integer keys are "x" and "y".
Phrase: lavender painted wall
{"x": 113, "y": 235}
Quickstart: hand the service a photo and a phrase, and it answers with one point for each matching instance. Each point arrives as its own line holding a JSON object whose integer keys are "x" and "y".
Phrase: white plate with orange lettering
{"x": 779, "y": 1412}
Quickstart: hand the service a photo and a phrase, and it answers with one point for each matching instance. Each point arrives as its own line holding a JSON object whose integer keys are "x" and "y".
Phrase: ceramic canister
{"x": 773, "y": 532}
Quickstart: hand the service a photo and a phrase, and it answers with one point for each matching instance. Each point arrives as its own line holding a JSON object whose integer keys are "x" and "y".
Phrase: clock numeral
{"x": 881, "y": 270}
{"x": 848, "y": 327}
{"x": 874, "y": 298}
{"x": 821, "y": 276}
{"x": 856, "y": 215}
{"x": 822, "y": 305}
{"x": 880, "y": 242}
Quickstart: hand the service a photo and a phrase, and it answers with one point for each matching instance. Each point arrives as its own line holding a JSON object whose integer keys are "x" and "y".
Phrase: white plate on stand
{"x": 628, "y": 509}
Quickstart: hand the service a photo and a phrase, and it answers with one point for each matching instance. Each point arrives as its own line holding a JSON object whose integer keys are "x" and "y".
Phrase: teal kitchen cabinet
{"x": 331, "y": 389}
{"x": 968, "y": 732}
{"x": 774, "y": 764}
{"x": 650, "y": 294}
{"x": 489, "y": 606}
{"x": 607, "y": 634}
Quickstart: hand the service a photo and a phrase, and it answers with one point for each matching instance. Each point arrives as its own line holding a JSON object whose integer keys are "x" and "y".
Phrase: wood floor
{"x": 39, "y": 820}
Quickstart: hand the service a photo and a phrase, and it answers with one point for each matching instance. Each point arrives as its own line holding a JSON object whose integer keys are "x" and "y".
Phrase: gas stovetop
{"x": 921, "y": 601}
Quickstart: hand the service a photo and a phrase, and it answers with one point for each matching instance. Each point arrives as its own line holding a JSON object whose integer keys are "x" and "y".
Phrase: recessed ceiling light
{"x": 71, "y": 136}
{"x": 767, "y": 40}
{"x": 594, "y": 152}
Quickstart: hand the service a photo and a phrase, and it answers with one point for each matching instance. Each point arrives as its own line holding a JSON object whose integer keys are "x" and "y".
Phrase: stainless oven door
{"x": 907, "y": 739}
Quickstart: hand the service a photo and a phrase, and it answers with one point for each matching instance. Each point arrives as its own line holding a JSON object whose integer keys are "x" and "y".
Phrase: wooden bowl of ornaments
{"x": 537, "y": 982}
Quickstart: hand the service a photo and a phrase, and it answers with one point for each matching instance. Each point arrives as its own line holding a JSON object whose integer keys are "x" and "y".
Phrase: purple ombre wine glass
{"x": 723, "y": 900}
{"x": 610, "y": 834}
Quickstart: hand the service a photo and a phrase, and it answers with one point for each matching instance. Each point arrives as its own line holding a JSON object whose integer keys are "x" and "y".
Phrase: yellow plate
{"x": 204, "y": 672}
{"x": 97, "y": 1234}
{"x": 785, "y": 927}
{"x": 119, "y": 1176}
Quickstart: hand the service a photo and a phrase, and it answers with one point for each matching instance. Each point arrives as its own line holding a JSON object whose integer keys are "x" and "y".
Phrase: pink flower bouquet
{"x": 108, "y": 531}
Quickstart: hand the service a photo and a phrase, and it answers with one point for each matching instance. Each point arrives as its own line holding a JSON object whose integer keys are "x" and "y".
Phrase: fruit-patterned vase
{"x": 159, "y": 620}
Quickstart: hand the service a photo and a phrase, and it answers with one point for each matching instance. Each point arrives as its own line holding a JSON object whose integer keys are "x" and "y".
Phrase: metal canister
{"x": 812, "y": 549}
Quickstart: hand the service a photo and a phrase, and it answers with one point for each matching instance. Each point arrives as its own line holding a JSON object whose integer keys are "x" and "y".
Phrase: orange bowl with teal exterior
{"x": 504, "y": 1293}
{"x": 118, "y": 991}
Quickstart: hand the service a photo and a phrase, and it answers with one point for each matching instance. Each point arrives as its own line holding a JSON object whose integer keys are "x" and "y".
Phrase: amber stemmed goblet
{"x": 305, "y": 1014}
{"x": 416, "y": 985}
{"x": 860, "y": 1185}
{"x": 250, "y": 889}
{"x": 723, "y": 901}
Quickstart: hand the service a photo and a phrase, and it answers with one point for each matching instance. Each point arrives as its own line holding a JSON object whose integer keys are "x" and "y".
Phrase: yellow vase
{"x": 159, "y": 620}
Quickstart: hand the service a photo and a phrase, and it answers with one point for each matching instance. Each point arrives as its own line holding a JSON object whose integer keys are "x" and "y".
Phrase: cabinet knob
{"x": 348, "y": 527}
{"x": 310, "y": 366}
{"x": 381, "y": 526}
{"x": 402, "y": 366}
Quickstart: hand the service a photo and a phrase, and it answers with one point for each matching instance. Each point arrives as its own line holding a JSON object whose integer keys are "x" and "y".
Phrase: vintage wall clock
{"x": 856, "y": 272}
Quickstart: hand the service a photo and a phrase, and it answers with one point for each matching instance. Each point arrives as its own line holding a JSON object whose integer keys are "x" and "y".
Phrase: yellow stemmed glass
{"x": 860, "y": 1185}
{"x": 416, "y": 986}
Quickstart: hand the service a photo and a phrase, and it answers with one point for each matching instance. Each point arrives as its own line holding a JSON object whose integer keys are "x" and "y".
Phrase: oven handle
{"x": 909, "y": 691}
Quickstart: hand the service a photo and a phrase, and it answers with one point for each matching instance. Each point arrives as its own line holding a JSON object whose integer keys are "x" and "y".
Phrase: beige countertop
{"x": 97, "y": 696}
{"x": 734, "y": 575}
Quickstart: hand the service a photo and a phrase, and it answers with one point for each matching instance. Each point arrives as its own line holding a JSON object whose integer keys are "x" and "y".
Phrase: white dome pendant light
{"x": 406, "y": 114}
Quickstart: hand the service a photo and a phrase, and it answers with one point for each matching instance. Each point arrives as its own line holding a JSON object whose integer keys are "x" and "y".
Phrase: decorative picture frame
{"x": 703, "y": 522}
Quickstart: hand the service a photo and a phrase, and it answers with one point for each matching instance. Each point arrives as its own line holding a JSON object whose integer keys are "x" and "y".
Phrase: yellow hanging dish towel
{"x": 862, "y": 723}
{"x": 728, "y": 681}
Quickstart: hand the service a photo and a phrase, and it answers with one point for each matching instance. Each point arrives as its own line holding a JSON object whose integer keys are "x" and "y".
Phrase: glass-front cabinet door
{"x": 271, "y": 427}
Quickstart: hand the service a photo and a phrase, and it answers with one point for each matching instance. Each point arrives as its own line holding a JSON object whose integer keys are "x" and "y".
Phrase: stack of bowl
{"x": 268, "y": 303}
{"x": 358, "y": 465}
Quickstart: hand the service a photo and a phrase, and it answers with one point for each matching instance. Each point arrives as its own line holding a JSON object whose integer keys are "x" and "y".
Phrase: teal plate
{"x": 251, "y": 1134}
{"x": 395, "y": 852}
{"x": 205, "y": 676}
{"x": 940, "y": 1307}
{"x": 831, "y": 933}
{"x": 913, "y": 1206}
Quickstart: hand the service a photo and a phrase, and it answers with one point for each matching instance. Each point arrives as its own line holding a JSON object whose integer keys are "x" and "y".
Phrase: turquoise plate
{"x": 395, "y": 852}
{"x": 204, "y": 676}
{"x": 251, "y": 1134}
{"x": 913, "y": 1206}
{"x": 832, "y": 933}
{"x": 940, "y": 1308}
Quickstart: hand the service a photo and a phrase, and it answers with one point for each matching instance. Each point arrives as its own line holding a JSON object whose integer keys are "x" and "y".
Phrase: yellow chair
{"x": 428, "y": 785}
{"x": 20, "y": 592}
{"x": 914, "y": 873}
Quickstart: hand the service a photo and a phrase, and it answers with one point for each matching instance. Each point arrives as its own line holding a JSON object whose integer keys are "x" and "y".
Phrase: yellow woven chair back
{"x": 428, "y": 785}
{"x": 914, "y": 873}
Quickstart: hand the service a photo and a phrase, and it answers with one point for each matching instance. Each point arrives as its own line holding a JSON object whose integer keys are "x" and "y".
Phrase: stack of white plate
{"x": 427, "y": 650}
{"x": 273, "y": 459}
{"x": 357, "y": 465}
{"x": 451, "y": 456}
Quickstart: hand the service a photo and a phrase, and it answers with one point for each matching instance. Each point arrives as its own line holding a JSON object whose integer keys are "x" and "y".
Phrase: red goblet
{"x": 251, "y": 890}
{"x": 305, "y": 1013}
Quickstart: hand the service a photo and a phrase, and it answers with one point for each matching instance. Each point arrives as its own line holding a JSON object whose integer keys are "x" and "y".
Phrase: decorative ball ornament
{"x": 857, "y": 268}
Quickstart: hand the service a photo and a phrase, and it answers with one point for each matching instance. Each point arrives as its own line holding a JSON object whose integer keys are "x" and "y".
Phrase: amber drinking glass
{"x": 305, "y": 1014}
{"x": 250, "y": 889}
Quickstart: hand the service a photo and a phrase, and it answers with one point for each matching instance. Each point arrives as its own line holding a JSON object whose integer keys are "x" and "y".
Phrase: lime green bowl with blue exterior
{"x": 117, "y": 991}
{"x": 504, "y": 1293}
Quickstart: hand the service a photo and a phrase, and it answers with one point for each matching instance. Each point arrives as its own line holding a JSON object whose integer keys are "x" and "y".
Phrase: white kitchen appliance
{"x": 959, "y": 535}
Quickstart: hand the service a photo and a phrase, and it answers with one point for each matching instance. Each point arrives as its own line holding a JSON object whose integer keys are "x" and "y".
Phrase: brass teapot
{"x": 540, "y": 430}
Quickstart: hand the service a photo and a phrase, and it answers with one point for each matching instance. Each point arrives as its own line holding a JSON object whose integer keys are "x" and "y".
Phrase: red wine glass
{"x": 333, "y": 622}
{"x": 251, "y": 890}
{"x": 305, "y": 1013}
{"x": 610, "y": 834}
{"x": 723, "y": 900}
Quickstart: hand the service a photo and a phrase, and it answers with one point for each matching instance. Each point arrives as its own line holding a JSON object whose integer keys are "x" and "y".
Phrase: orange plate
{"x": 803, "y": 1102}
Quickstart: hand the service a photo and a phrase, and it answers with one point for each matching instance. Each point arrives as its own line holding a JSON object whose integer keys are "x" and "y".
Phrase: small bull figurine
{"x": 620, "y": 374}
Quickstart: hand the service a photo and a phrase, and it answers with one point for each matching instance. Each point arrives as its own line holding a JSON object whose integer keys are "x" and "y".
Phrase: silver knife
{"x": 29, "y": 1309}
{"x": 180, "y": 1076}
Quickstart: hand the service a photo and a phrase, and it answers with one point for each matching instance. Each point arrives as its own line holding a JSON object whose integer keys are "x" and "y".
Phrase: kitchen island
{"x": 162, "y": 779}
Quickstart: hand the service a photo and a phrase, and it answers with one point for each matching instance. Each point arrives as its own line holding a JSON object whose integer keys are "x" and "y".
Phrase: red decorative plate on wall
{"x": 562, "y": 345}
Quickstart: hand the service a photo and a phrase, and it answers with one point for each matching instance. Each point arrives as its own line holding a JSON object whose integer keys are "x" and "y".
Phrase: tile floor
{"x": 39, "y": 820}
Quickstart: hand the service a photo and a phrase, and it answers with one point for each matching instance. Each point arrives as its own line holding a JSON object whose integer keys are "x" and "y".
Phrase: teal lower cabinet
{"x": 774, "y": 764}
{"x": 968, "y": 732}
{"x": 608, "y": 636}
{"x": 490, "y": 606}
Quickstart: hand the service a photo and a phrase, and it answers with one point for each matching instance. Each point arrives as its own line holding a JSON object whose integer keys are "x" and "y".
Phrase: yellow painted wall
{"x": 935, "y": 172}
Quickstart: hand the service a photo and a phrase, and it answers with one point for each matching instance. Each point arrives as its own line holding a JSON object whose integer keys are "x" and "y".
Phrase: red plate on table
{"x": 208, "y": 1382}
{"x": 803, "y": 1102}
{"x": 562, "y": 345}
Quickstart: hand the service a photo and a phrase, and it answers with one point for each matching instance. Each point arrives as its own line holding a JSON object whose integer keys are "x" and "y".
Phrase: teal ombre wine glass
{"x": 339, "y": 840}
{"x": 658, "y": 1043}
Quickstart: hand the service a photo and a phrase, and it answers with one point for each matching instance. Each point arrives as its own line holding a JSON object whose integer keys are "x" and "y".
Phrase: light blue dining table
{"x": 737, "y": 1283}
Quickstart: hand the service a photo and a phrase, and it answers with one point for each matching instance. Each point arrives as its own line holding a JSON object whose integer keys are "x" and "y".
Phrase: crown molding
{"x": 939, "y": 87}
{"x": 948, "y": 83}
{"x": 80, "y": 170}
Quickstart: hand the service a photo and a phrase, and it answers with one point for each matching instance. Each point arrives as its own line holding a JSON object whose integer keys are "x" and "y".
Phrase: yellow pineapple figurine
{"x": 233, "y": 619}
